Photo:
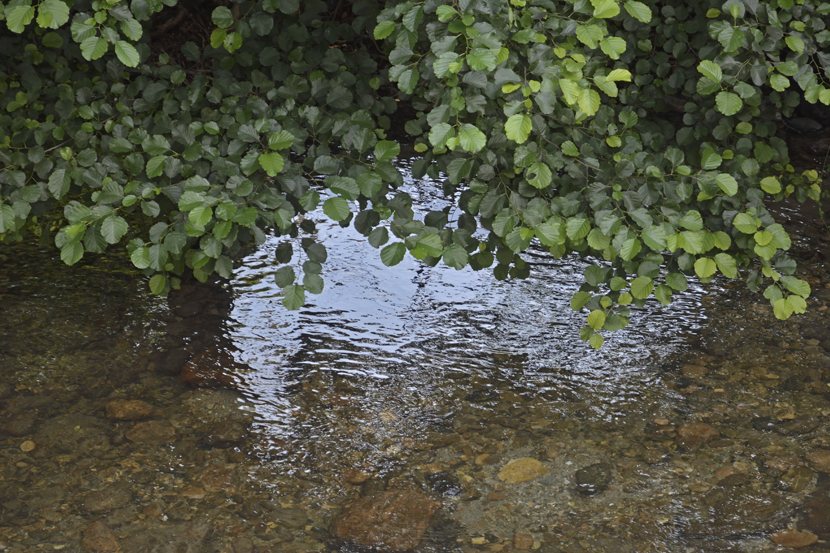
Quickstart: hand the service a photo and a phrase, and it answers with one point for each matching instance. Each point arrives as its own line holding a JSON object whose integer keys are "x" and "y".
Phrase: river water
{"x": 219, "y": 421}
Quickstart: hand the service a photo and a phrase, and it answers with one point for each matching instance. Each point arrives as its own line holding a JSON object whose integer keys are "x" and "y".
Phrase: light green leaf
{"x": 782, "y": 309}
{"x": 727, "y": 183}
{"x": 589, "y": 101}
{"x": 641, "y": 288}
{"x": 127, "y": 54}
{"x": 604, "y": 9}
{"x": 455, "y": 256}
{"x": 677, "y": 281}
{"x": 796, "y": 286}
{"x": 705, "y": 267}
{"x": 619, "y": 75}
{"x": 795, "y": 44}
{"x": 539, "y": 175}
{"x": 596, "y": 319}
{"x": 710, "y": 70}
{"x": 72, "y": 252}
{"x": 114, "y": 228}
{"x": 293, "y": 297}
{"x": 517, "y": 128}
{"x": 272, "y": 163}
{"x": 94, "y": 47}
{"x": 16, "y": 20}
{"x": 745, "y": 223}
{"x": 470, "y": 138}
{"x": 779, "y": 82}
{"x": 579, "y": 300}
{"x": 596, "y": 341}
{"x": 770, "y": 185}
{"x": 570, "y": 90}
{"x": 728, "y": 103}
{"x": 727, "y": 265}
{"x": 383, "y": 29}
{"x": 638, "y": 10}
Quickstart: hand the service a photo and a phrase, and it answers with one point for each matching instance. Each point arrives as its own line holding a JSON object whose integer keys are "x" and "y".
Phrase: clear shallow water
{"x": 410, "y": 378}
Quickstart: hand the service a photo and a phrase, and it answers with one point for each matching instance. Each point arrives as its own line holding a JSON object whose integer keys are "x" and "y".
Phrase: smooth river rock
{"x": 129, "y": 410}
{"x": 819, "y": 460}
{"x": 793, "y": 539}
{"x": 593, "y": 479}
{"x": 814, "y": 513}
{"x": 521, "y": 470}
{"x": 388, "y": 521}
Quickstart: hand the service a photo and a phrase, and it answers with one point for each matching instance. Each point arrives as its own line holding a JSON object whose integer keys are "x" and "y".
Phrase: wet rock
{"x": 814, "y": 511}
{"x": 593, "y": 479}
{"x": 113, "y": 497}
{"x": 691, "y": 436}
{"x": 521, "y": 470}
{"x": 797, "y": 479}
{"x": 219, "y": 477}
{"x": 354, "y": 476}
{"x": 170, "y": 362}
{"x": 152, "y": 433}
{"x": 793, "y": 539}
{"x": 390, "y": 521}
{"x": 793, "y": 384}
{"x": 72, "y": 432}
{"x": 694, "y": 371}
{"x": 130, "y": 410}
{"x": 444, "y": 483}
{"x": 797, "y": 426}
{"x": 522, "y": 540}
{"x": 819, "y": 460}
{"x": 243, "y": 545}
{"x": 212, "y": 368}
{"x": 741, "y": 510}
{"x": 187, "y": 537}
{"x": 653, "y": 456}
{"x": 224, "y": 434}
{"x": 734, "y": 480}
{"x": 213, "y": 406}
{"x": 19, "y": 424}
{"x": 291, "y": 517}
{"x": 98, "y": 538}
{"x": 804, "y": 125}
{"x": 487, "y": 459}
{"x": 763, "y": 424}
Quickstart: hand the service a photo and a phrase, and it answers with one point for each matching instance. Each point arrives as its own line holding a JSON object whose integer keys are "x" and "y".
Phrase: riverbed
{"x": 219, "y": 421}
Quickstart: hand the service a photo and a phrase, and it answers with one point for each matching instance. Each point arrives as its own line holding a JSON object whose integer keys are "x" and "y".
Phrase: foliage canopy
{"x": 550, "y": 119}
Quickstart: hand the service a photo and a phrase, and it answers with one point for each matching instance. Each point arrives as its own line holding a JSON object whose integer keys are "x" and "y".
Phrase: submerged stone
{"x": 814, "y": 512}
{"x": 793, "y": 539}
{"x": 593, "y": 479}
{"x": 521, "y": 470}
{"x": 388, "y": 521}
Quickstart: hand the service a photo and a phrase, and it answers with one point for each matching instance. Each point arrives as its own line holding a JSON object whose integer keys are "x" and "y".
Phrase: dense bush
{"x": 639, "y": 134}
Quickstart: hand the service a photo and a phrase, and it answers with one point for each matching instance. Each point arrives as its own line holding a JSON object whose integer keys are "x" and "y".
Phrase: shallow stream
{"x": 219, "y": 421}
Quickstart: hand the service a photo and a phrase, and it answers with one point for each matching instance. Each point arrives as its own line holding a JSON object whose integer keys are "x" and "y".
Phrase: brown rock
{"x": 19, "y": 424}
{"x": 653, "y": 456}
{"x": 691, "y": 436}
{"x": 355, "y": 476}
{"x": 152, "y": 433}
{"x": 99, "y": 539}
{"x": 694, "y": 371}
{"x": 487, "y": 459}
{"x": 793, "y": 539}
{"x": 725, "y": 471}
{"x": 783, "y": 462}
{"x": 819, "y": 460}
{"x": 521, "y": 470}
{"x": 108, "y": 499}
{"x": 219, "y": 477}
{"x": 391, "y": 521}
{"x": 212, "y": 368}
{"x": 130, "y": 410}
{"x": 522, "y": 540}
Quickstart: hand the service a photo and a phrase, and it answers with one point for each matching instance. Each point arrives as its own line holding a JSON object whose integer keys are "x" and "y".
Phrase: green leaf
{"x": 222, "y": 17}
{"x": 596, "y": 319}
{"x": 710, "y": 159}
{"x": 638, "y": 10}
{"x": 285, "y": 276}
{"x": 727, "y": 265}
{"x": 539, "y": 175}
{"x": 140, "y": 257}
{"x": 52, "y": 14}
{"x": 470, "y": 138}
{"x": 577, "y": 228}
{"x": 431, "y": 243}
{"x": 114, "y": 228}
{"x": 770, "y": 185}
{"x": 369, "y": 183}
{"x": 393, "y": 254}
{"x": 336, "y": 209}
{"x": 612, "y": 46}
{"x": 155, "y": 166}
{"x": 280, "y": 140}
{"x": 132, "y": 29}
{"x": 455, "y": 256}
{"x": 782, "y": 309}
{"x": 517, "y": 128}
{"x": 94, "y": 47}
{"x": 313, "y": 283}
{"x": 386, "y": 150}
{"x": 604, "y": 9}
{"x": 570, "y": 90}
{"x": 728, "y": 103}
{"x": 579, "y": 300}
{"x": 630, "y": 249}
{"x": 440, "y": 133}
{"x": 589, "y": 100}
{"x": 727, "y": 183}
{"x": 710, "y": 70}
{"x": 272, "y": 163}
{"x": 17, "y": 19}
{"x": 200, "y": 216}
{"x": 620, "y": 75}
{"x": 127, "y": 54}
{"x": 481, "y": 58}
{"x": 158, "y": 283}
{"x": 705, "y": 267}
{"x": 745, "y": 223}
{"x": 72, "y": 252}
{"x": 641, "y": 287}
{"x": 795, "y": 44}
{"x": 779, "y": 82}
{"x": 570, "y": 149}
{"x": 655, "y": 238}
{"x": 677, "y": 281}
{"x": 796, "y": 286}
{"x": 383, "y": 29}
{"x": 596, "y": 341}
{"x": 293, "y": 297}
